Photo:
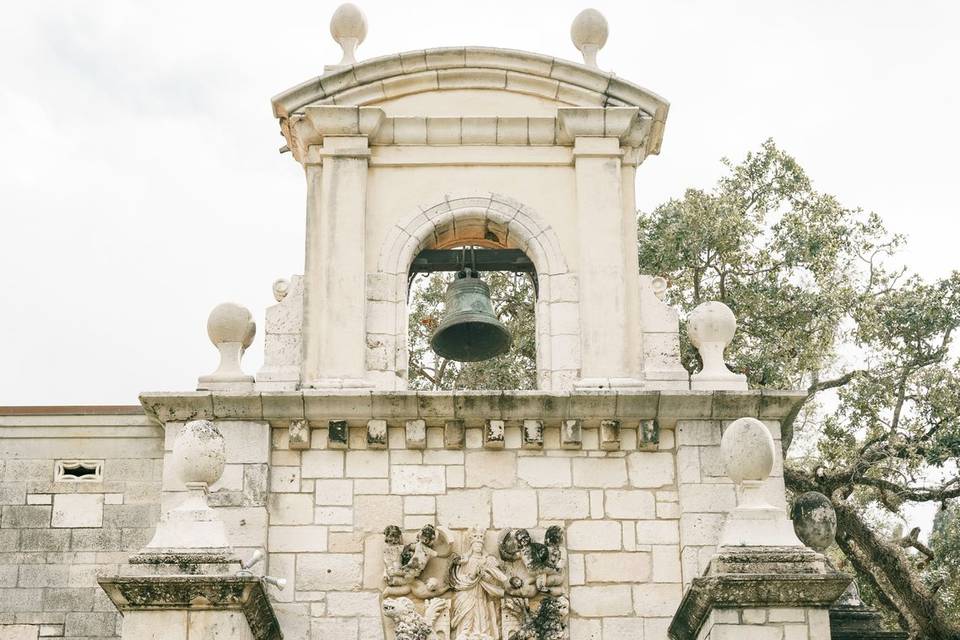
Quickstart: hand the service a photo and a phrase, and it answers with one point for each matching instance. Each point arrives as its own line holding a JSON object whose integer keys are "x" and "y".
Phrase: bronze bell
{"x": 470, "y": 330}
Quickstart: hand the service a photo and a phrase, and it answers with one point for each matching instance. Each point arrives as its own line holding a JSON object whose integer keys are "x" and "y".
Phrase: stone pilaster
{"x": 334, "y": 284}
{"x": 609, "y": 278}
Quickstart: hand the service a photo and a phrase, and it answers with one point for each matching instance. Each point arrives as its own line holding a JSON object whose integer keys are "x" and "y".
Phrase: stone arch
{"x": 489, "y": 220}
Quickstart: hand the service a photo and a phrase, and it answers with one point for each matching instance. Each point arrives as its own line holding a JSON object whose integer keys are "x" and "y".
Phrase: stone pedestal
{"x": 759, "y": 593}
{"x": 859, "y": 622}
{"x": 193, "y": 607}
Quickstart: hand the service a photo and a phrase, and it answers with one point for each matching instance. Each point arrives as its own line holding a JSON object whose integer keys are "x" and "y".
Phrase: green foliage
{"x": 513, "y": 302}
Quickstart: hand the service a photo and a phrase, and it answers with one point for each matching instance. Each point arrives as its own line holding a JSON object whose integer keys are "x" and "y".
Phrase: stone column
{"x": 334, "y": 285}
{"x": 610, "y": 336}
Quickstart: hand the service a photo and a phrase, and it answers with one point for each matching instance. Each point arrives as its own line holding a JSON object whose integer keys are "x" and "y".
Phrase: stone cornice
{"x": 238, "y": 593}
{"x": 402, "y": 74}
{"x": 436, "y": 406}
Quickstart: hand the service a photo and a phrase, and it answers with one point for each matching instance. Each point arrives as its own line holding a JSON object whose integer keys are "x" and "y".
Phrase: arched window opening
{"x": 512, "y": 282}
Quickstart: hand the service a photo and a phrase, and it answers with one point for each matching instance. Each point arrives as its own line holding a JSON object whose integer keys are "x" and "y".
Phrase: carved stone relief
{"x": 475, "y": 585}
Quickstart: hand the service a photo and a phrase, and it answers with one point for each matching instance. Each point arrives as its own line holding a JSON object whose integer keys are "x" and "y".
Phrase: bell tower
{"x": 446, "y": 147}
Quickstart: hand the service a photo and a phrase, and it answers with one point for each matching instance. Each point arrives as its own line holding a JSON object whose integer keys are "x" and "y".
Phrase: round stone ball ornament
{"x": 199, "y": 453}
{"x": 814, "y": 520}
{"x": 747, "y": 450}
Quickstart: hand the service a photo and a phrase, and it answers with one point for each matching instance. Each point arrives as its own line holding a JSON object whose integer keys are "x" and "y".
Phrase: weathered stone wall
{"x": 56, "y": 536}
{"x": 641, "y": 514}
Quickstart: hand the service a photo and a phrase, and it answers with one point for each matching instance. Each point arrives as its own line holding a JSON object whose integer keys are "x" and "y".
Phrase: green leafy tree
{"x": 821, "y": 309}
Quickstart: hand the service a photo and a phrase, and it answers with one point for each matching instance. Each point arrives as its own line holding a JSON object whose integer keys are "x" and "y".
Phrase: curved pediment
{"x": 528, "y": 84}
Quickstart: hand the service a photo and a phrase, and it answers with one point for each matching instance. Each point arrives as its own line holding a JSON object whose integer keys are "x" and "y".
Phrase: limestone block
{"x": 600, "y": 601}
{"x": 658, "y": 532}
{"x": 334, "y": 629}
{"x": 419, "y": 505}
{"x": 440, "y": 456}
{"x": 298, "y": 435}
{"x": 354, "y": 604}
{"x": 219, "y": 625}
{"x": 72, "y": 510}
{"x": 701, "y": 528}
{"x": 417, "y": 479}
{"x": 290, "y": 508}
{"x": 371, "y": 486}
{"x": 456, "y": 478}
{"x": 650, "y": 469}
{"x": 698, "y": 432}
{"x": 416, "y": 434}
{"x": 329, "y": 572}
{"x": 493, "y": 469}
{"x": 515, "y": 508}
{"x": 564, "y": 504}
{"x": 333, "y": 515}
{"x": 617, "y": 567}
{"x": 594, "y": 535}
{"x": 707, "y": 498}
{"x": 284, "y": 479}
{"x": 600, "y": 472}
{"x": 463, "y": 509}
{"x": 666, "y": 563}
{"x": 322, "y": 464}
{"x": 629, "y": 504}
{"x": 374, "y": 512}
{"x": 333, "y": 492}
{"x": 654, "y": 599}
{"x": 367, "y": 464}
{"x": 155, "y": 625}
{"x": 585, "y": 629}
{"x": 544, "y": 472}
{"x": 284, "y": 539}
{"x": 245, "y": 526}
{"x": 688, "y": 464}
{"x": 627, "y": 628}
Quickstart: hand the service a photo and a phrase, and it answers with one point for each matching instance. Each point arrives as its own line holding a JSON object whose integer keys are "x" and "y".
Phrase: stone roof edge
{"x": 470, "y": 405}
{"x": 617, "y": 90}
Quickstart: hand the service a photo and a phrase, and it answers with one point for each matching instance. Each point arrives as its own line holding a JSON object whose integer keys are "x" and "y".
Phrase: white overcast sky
{"x": 140, "y": 182}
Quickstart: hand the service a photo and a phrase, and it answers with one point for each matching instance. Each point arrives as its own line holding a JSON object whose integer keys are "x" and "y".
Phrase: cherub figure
{"x": 544, "y": 562}
{"x": 549, "y": 623}
{"x": 403, "y": 564}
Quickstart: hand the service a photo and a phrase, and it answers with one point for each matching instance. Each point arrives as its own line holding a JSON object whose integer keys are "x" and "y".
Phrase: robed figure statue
{"x": 478, "y": 582}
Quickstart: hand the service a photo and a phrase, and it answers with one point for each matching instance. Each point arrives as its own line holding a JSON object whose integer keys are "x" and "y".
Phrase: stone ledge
{"x": 238, "y": 593}
{"x": 756, "y": 577}
{"x": 357, "y": 407}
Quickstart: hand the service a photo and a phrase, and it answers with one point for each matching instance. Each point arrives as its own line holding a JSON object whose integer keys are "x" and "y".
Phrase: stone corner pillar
{"x": 760, "y": 593}
{"x": 188, "y": 607}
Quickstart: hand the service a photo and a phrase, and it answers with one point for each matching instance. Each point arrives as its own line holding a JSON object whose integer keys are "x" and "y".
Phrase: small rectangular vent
{"x": 79, "y": 471}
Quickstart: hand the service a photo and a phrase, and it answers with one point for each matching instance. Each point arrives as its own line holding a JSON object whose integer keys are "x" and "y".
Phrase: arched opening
{"x": 550, "y": 353}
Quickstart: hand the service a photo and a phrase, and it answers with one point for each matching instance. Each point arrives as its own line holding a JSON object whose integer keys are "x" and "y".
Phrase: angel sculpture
{"x": 544, "y": 562}
{"x": 549, "y": 623}
{"x": 403, "y": 564}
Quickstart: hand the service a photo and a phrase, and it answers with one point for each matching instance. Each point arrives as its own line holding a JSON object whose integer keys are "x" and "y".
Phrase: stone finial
{"x": 231, "y": 329}
{"x": 589, "y": 33}
{"x": 281, "y": 287}
{"x": 192, "y": 533}
{"x": 711, "y": 326}
{"x": 814, "y": 520}
{"x": 748, "y": 453}
{"x": 348, "y": 26}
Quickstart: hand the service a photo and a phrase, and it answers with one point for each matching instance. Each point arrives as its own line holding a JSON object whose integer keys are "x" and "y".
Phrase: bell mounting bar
{"x": 431, "y": 260}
